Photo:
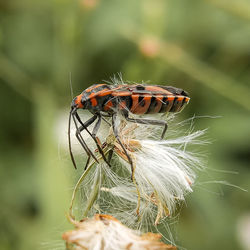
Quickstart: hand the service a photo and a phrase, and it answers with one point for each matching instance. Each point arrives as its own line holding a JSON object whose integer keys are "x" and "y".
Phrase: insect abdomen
{"x": 173, "y": 104}
{"x": 152, "y": 104}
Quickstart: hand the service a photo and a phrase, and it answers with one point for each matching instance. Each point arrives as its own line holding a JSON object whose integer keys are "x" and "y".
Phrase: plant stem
{"x": 94, "y": 193}
{"x": 82, "y": 177}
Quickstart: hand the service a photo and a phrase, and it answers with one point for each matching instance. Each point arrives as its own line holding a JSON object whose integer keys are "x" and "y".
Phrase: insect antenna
{"x": 69, "y": 139}
{"x": 71, "y": 86}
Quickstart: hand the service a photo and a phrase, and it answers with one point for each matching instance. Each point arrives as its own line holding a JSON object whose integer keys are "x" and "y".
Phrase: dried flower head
{"x": 105, "y": 232}
{"x": 164, "y": 171}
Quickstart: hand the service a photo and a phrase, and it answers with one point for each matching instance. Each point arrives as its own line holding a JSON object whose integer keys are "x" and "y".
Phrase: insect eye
{"x": 83, "y": 102}
{"x": 73, "y": 103}
{"x": 78, "y": 102}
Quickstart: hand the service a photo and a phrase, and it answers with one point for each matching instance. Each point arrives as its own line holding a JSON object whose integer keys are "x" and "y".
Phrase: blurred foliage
{"x": 200, "y": 46}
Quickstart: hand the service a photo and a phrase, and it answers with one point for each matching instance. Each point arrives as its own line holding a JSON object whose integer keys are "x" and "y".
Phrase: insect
{"x": 104, "y": 100}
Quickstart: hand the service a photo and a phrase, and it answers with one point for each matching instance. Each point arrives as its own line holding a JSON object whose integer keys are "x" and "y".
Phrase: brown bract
{"x": 107, "y": 233}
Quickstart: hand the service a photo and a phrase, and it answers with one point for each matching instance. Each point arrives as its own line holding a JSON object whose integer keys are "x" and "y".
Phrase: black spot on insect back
{"x": 184, "y": 93}
{"x": 175, "y": 91}
{"x": 140, "y": 87}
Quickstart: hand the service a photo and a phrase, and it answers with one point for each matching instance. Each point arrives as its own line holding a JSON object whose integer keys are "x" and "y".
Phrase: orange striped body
{"x": 137, "y": 99}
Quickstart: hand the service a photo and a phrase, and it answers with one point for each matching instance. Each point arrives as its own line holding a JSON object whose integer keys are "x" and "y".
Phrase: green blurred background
{"x": 200, "y": 46}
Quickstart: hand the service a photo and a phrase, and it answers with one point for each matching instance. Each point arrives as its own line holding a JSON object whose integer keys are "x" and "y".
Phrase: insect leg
{"x": 97, "y": 126}
{"x": 95, "y": 130}
{"x": 85, "y": 147}
{"x": 110, "y": 155}
{"x": 81, "y": 128}
{"x": 115, "y": 129}
{"x": 93, "y": 134}
{"x": 151, "y": 122}
{"x": 106, "y": 120}
{"x": 79, "y": 136}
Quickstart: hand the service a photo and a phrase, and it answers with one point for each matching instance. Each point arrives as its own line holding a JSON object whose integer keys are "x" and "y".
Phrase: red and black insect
{"x": 104, "y": 100}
